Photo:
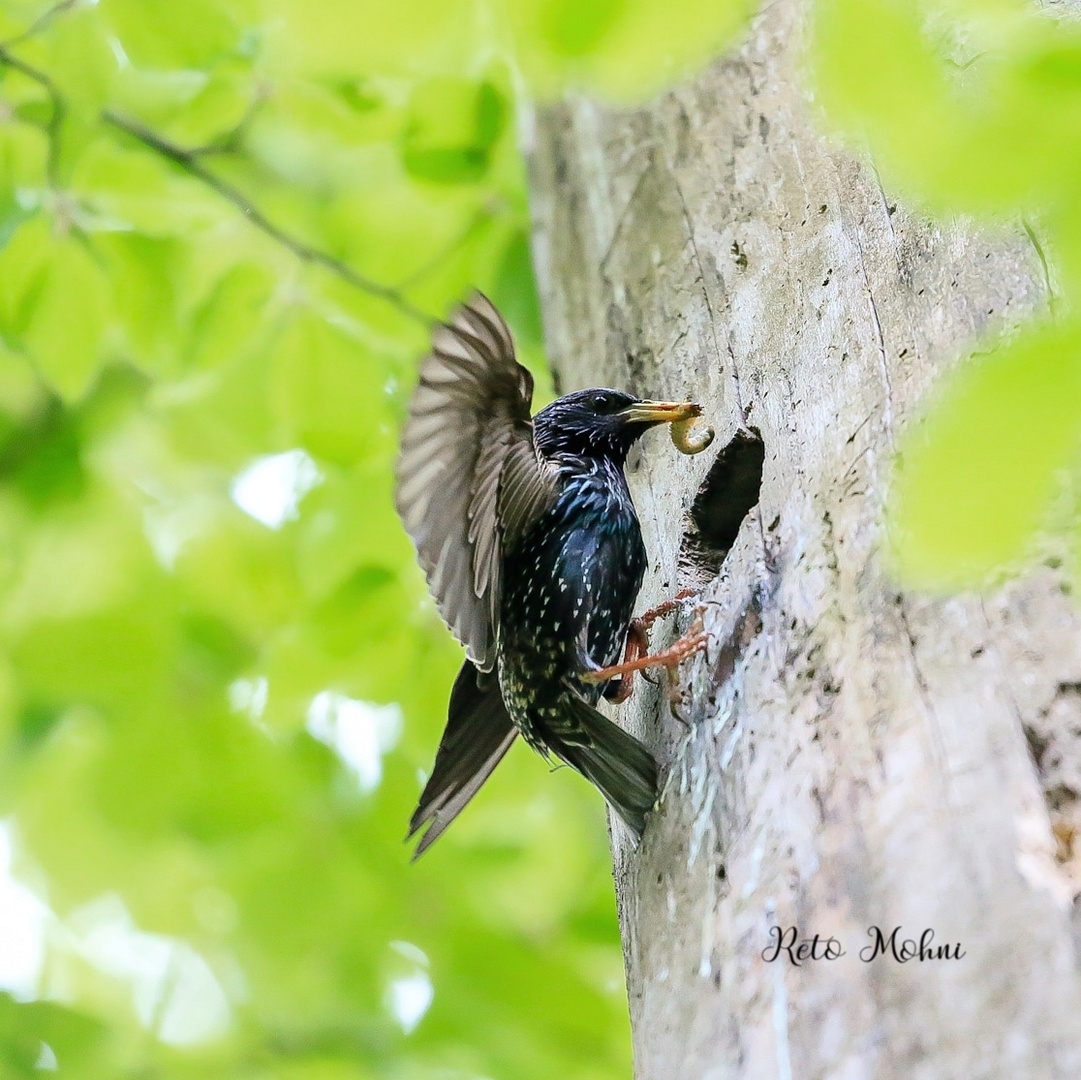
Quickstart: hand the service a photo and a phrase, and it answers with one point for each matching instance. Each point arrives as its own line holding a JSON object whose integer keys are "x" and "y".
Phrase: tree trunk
{"x": 856, "y": 755}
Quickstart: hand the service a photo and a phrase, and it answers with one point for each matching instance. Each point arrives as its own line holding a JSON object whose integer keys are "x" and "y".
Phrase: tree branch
{"x": 190, "y": 163}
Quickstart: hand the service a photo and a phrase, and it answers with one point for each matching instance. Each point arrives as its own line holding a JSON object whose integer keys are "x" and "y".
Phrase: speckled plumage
{"x": 568, "y": 592}
{"x": 532, "y": 548}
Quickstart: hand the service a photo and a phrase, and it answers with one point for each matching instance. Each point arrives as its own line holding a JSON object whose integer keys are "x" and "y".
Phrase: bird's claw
{"x": 646, "y": 620}
{"x": 637, "y": 658}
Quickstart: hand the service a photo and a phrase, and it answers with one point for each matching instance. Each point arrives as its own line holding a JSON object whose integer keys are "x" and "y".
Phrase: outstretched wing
{"x": 469, "y": 481}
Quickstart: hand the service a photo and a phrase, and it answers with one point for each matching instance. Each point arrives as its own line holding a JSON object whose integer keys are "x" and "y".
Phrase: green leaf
{"x": 41, "y": 457}
{"x": 515, "y": 290}
{"x": 341, "y": 38}
{"x": 219, "y": 109}
{"x": 876, "y": 71}
{"x": 208, "y": 775}
{"x": 161, "y": 650}
{"x": 451, "y": 128}
{"x": 241, "y": 571}
{"x": 24, "y": 151}
{"x": 192, "y": 107}
{"x": 73, "y": 1038}
{"x": 349, "y": 521}
{"x": 326, "y": 392}
{"x": 163, "y": 34}
{"x": 999, "y": 129}
{"x": 576, "y": 28}
{"x": 145, "y": 271}
{"x": 65, "y": 320}
{"x": 79, "y": 56}
{"x": 82, "y": 66}
{"x": 623, "y": 48}
{"x": 230, "y": 317}
{"x": 977, "y": 475}
{"x": 23, "y": 266}
{"x": 130, "y": 188}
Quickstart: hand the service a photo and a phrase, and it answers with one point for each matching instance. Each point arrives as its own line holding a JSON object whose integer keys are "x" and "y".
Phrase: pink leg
{"x": 693, "y": 641}
{"x": 648, "y": 618}
{"x": 637, "y": 646}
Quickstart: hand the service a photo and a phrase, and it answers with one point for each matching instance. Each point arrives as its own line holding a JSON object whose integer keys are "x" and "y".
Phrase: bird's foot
{"x": 694, "y": 641}
{"x": 637, "y": 658}
{"x": 637, "y": 647}
{"x": 646, "y": 620}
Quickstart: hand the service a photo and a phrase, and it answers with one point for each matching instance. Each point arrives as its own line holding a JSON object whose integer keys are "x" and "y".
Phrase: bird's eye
{"x": 603, "y": 403}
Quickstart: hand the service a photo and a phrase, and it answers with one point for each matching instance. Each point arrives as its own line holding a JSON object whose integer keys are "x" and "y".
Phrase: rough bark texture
{"x": 857, "y": 755}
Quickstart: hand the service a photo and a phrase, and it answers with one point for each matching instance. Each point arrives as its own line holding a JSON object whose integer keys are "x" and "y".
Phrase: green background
{"x": 222, "y": 228}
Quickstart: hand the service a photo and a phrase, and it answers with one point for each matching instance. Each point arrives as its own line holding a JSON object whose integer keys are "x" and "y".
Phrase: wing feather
{"x": 469, "y": 479}
{"x": 478, "y": 733}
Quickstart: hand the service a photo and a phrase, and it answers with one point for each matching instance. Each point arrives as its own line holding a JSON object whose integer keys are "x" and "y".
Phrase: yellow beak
{"x": 660, "y": 412}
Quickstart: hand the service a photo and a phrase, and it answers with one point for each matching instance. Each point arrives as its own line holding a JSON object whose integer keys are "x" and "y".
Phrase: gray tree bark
{"x": 857, "y": 755}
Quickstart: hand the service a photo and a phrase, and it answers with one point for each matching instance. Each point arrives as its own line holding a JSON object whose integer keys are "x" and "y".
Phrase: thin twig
{"x": 56, "y": 101}
{"x": 190, "y": 163}
{"x": 39, "y": 23}
{"x": 232, "y": 141}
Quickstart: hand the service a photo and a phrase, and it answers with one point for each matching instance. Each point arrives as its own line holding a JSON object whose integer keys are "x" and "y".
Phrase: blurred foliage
{"x": 224, "y": 225}
{"x": 974, "y": 107}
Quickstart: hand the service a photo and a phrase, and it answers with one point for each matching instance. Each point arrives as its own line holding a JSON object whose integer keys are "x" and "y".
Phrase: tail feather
{"x": 622, "y": 768}
{"x": 478, "y": 733}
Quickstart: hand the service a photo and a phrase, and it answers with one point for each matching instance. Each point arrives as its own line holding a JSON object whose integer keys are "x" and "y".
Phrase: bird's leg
{"x": 648, "y": 618}
{"x": 644, "y": 623}
{"x": 693, "y": 641}
{"x": 637, "y": 646}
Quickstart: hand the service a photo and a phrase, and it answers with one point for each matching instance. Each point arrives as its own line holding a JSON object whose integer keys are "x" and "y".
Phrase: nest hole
{"x": 727, "y": 495}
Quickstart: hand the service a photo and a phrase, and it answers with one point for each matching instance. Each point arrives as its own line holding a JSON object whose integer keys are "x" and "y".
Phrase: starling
{"x": 531, "y": 545}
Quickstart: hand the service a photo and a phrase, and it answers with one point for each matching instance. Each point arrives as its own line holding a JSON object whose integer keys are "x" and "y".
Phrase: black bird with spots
{"x": 531, "y": 545}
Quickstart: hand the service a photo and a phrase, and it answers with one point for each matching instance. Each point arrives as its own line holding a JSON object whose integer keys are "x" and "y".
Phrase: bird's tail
{"x": 478, "y": 733}
{"x": 617, "y": 763}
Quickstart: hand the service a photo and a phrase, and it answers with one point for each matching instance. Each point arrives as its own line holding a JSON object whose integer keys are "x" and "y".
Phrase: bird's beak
{"x": 660, "y": 412}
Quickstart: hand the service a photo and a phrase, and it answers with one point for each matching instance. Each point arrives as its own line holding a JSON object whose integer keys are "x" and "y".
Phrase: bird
{"x": 525, "y": 529}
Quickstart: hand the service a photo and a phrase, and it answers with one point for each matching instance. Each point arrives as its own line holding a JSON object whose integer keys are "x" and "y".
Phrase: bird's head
{"x": 602, "y": 423}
